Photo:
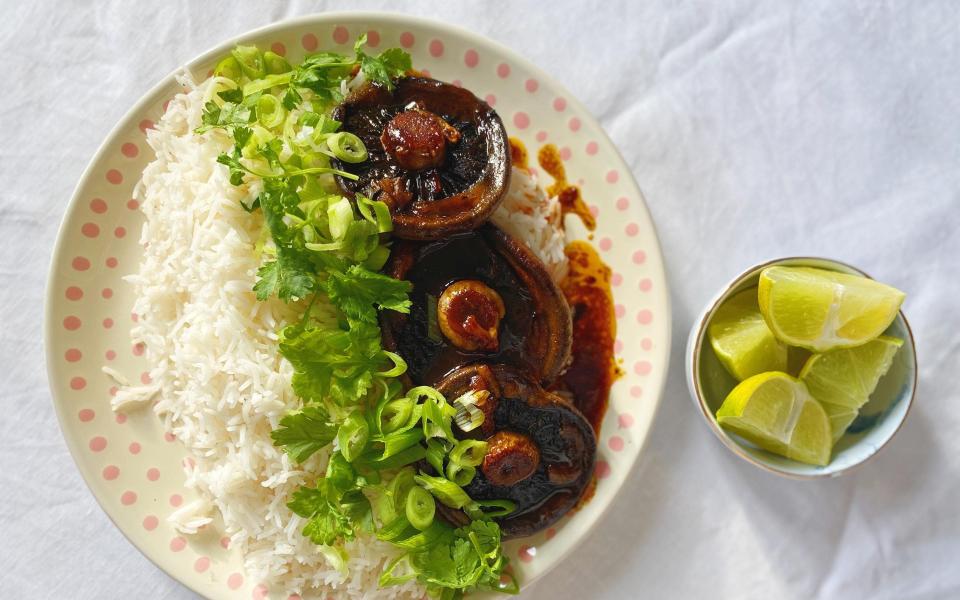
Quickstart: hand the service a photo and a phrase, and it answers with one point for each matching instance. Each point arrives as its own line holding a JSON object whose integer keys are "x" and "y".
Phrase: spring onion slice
{"x": 469, "y": 416}
{"x": 500, "y": 508}
{"x": 468, "y": 453}
{"x": 353, "y": 435}
{"x": 275, "y": 64}
{"x": 444, "y": 490}
{"x": 250, "y": 60}
{"x": 347, "y": 147}
{"x": 460, "y": 474}
{"x": 269, "y": 111}
{"x": 436, "y": 452}
{"x": 420, "y": 508}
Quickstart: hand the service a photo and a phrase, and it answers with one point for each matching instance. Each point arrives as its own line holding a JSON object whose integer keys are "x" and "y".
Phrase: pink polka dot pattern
{"x": 644, "y": 317}
{"x": 225, "y": 543}
{"x": 177, "y": 544}
{"x": 128, "y": 498}
{"x": 98, "y": 206}
{"x": 78, "y": 383}
{"x": 550, "y": 533}
{"x": 541, "y": 136}
{"x": 73, "y": 293}
{"x": 559, "y": 104}
{"x": 615, "y": 443}
{"x": 201, "y": 564}
{"x": 591, "y": 148}
{"x": 625, "y": 421}
{"x": 153, "y": 474}
{"x": 235, "y": 581}
{"x": 639, "y": 257}
{"x": 111, "y": 472}
{"x": 72, "y": 355}
{"x": 526, "y": 553}
{"x": 471, "y": 58}
{"x": 176, "y": 500}
{"x": 612, "y": 176}
{"x": 150, "y": 522}
{"x": 91, "y": 230}
{"x": 309, "y": 42}
{"x": 521, "y": 120}
{"x": 260, "y": 592}
{"x": 623, "y": 203}
{"x": 531, "y": 85}
{"x": 606, "y": 244}
{"x": 80, "y": 263}
{"x": 636, "y": 391}
{"x": 98, "y": 443}
{"x": 373, "y": 38}
{"x": 619, "y": 310}
{"x": 71, "y": 323}
{"x": 616, "y": 280}
{"x": 565, "y": 153}
{"x": 133, "y": 204}
{"x": 115, "y": 177}
{"x": 129, "y": 150}
{"x": 490, "y": 99}
{"x": 646, "y": 344}
{"x": 106, "y": 293}
{"x": 436, "y": 48}
{"x": 119, "y": 232}
{"x": 341, "y": 35}
{"x": 86, "y": 415}
{"x": 645, "y": 285}
{"x": 574, "y": 124}
{"x": 642, "y": 367}
{"x": 406, "y": 39}
{"x": 503, "y": 70}
{"x": 278, "y": 49}
{"x": 145, "y": 125}
{"x": 120, "y": 418}
{"x": 107, "y": 323}
{"x": 134, "y": 448}
{"x": 631, "y": 229}
{"x": 602, "y": 469}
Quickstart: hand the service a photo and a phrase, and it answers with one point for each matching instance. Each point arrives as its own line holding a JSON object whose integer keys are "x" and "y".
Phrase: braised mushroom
{"x": 477, "y": 296}
{"x": 437, "y": 155}
{"x": 540, "y": 453}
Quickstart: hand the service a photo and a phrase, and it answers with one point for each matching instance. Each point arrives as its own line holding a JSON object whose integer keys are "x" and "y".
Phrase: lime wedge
{"x": 821, "y": 310}
{"x": 777, "y": 413}
{"x": 840, "y": 418}
{"x": 843, "y": 379}
{"x": 742, "y": 340}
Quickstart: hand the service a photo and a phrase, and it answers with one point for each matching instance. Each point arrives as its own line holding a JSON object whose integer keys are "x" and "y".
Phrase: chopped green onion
{"x": 353, "y": 435}
{"x": 269, "y": 111}
{"x": 420, "y": 508}
{"x": 501, "y": 508}
{"x": 389, "y": 578}
{"x": 444, "y": 490}
{"x": 468, "y": 453}
{"x": 396, "y": 529}
{"x": 400, "y": 486}
{"x": 436, "y": 452}
{"x": 460, "y": 474}
{"x": 468, "y": 416}
{"x": 340, "y": 216}
{"x": 229, "y": 68}
{"x": 250, "y": 60}
{"x": 396, "y": 443}
{"x": 377, "y": 258}
{"x": 337, "y": 557}
{"x": 347, "y": 147}
{"x": 265, "y": 83}
{"x": 396, "y": 414}
{"x": 380, "y": 216}
{"x": 275, "y": 64}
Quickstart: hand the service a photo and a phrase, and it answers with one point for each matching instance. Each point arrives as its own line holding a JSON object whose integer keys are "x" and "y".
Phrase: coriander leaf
{"x": 305, "y": 432}
{"x": 327, "y": 524}
{"x": 465, "y": 558}
{"x": 332, "y": 364}
{"x": 357, "y": 291}
{"x": 288, "y": 277}
{"x": 234, "y": 95}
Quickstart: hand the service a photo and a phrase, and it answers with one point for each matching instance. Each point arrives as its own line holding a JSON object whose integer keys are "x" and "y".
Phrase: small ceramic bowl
{"x": 879, "y": 419}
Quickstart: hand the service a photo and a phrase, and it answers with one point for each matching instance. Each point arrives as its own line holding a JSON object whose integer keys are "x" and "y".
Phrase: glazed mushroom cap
{"x": 534, "y": 333}
{"x": 543, "y": 445}
{"x": 437, "y": 155}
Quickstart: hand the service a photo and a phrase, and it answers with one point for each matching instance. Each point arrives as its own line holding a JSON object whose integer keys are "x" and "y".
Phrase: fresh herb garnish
{"x": 325, "y": 250}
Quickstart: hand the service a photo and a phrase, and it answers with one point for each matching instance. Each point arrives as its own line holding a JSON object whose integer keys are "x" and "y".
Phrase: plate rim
{"x": 328, "y": 18}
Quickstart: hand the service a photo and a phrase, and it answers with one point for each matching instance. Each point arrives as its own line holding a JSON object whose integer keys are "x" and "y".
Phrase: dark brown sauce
{"x": 571, "y": 200}
{"x": 593, "y": 368}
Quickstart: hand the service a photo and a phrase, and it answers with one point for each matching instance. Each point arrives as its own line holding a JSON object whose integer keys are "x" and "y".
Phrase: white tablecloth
{"x": 756, "y": 129}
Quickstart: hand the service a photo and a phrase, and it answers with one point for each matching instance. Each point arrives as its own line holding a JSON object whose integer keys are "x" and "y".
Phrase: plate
{"x": 135, "y": 470}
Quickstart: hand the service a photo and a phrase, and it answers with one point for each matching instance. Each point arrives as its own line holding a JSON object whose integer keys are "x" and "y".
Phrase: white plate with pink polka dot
{"x": 135, "y": 470}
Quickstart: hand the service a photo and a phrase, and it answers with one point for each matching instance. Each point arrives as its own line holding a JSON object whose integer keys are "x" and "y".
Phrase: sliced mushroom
{"x": 437, "y": 155}
{"x": 532, "y": 331}
{"x": 540, "y": 455}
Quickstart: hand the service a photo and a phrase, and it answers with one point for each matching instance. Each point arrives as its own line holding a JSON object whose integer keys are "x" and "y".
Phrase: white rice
{"x": 218, "y": 381}
{"x": 528, "y": 214}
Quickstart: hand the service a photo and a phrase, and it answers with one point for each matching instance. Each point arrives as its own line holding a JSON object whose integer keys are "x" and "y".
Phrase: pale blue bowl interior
{"x": 878, "y": 421}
